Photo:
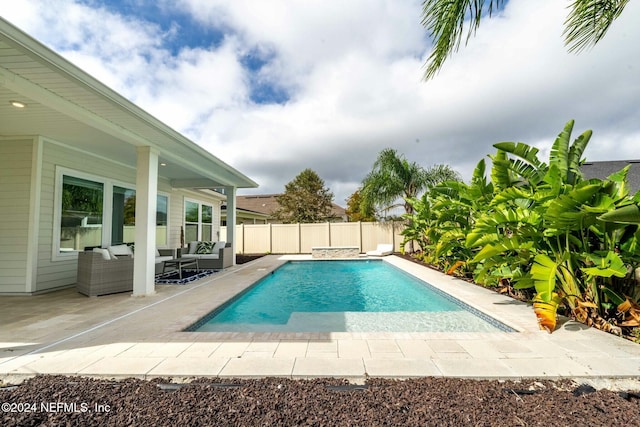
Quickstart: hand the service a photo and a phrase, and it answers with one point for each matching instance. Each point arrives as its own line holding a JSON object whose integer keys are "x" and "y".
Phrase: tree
{"x": 393, "y": 178}
{"x": 354, "y": 211}
{"x": 305, "y": 200}
{"x": 587, "y": 23}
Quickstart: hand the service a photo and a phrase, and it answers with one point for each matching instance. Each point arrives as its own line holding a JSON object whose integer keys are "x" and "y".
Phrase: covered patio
{"x": 60, "y": 128}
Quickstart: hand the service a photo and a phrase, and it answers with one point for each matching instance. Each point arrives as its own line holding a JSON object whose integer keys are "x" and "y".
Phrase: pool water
{"x": 345, "y": 296}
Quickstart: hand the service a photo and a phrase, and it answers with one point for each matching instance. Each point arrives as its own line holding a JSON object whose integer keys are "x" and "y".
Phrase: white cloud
{"x": 353, "y": 72}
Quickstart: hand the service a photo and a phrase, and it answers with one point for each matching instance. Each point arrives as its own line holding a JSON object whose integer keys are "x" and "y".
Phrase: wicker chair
{"x": 97, "y": 276}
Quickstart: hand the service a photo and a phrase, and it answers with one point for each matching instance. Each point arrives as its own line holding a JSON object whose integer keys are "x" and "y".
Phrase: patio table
{"x": 179, "y": 264}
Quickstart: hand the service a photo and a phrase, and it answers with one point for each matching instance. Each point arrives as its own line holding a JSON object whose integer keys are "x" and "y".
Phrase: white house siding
{"x": 60, "y": 273}
{"x": 16, "y": 157}
{"x": 176, "y": 212}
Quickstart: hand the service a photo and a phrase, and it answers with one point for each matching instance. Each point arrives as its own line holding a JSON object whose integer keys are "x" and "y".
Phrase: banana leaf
{"x": 610, "y": 265}
{"x": 546, "y": 309}
{"x": 543, "y": 273}
{"x": 629, "y": 214}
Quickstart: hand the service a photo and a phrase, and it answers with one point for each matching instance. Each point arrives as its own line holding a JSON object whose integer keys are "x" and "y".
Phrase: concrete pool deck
{"x": 117, "y": 336}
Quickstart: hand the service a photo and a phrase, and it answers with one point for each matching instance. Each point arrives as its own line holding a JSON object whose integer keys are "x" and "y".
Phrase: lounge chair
{"x": 382, "y": 250}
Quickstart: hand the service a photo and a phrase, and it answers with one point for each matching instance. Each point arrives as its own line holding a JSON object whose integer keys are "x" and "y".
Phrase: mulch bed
{"x": 244, "y": 258}
{"x": 283, "y": 402}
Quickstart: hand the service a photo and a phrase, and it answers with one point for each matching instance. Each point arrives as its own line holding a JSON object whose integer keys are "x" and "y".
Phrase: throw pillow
{"x": 204, "y": 248}
{"x": 219, "y": 245}
{"x": 193, "y": 246}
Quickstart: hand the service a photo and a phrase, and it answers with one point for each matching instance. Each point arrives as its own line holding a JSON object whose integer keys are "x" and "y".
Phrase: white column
{"x": 230, "y": 192}
{"x": 145, "y": 243}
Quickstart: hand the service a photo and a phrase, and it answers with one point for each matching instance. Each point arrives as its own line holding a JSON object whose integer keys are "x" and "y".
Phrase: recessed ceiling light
{"x": 18, "y": 104}
{"x": 163, "y": 164}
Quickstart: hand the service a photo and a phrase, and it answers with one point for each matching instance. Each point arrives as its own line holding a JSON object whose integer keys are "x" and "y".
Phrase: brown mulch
{"x": 73, "y": 401}
{"x": 245, "y": 258}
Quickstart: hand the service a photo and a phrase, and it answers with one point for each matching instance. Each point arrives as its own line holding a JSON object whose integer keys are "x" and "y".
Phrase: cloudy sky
{"x": 274, "y": 87}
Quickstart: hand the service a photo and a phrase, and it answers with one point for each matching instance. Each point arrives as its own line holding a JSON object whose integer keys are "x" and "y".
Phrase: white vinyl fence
{"x": 300, "y": 238}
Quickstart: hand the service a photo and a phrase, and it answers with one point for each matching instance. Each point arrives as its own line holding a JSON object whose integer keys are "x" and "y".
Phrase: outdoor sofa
{"x": 210, "y": 255}
{"x": 103, "y": 271}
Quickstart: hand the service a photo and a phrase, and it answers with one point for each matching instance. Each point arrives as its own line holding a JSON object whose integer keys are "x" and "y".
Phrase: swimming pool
{"x": 345, "y": 296}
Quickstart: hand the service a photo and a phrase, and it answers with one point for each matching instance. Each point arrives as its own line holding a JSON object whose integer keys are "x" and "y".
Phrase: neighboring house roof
{"x": 83, "y": 113}
{"x": 603, "y": 169}
{"x": 268, "y": 204}
{"x": 244, "y": 214}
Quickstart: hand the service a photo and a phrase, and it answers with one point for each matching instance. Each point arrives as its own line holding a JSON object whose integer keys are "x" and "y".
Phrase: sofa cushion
{"x": 193, "y": 246}
{"x": 204, "y": 248}
{"x": 120, "y": 250}
{"x": 105, "y": 253}
{"x": 219, "y": 245}
{"x": 201, "y": 256}
{"x": 160, "y": 259}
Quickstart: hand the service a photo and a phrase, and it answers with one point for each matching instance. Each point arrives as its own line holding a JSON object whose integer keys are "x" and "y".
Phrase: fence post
{"x": 270, "y": 239}
{"x": 329, "y": 231}
{"x": 243, "y": 237}
{"x": 393, "y": 234}
{"x": 360, "y": 235}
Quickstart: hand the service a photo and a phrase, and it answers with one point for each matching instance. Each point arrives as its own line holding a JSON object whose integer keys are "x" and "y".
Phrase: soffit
{"x": 68, "y": 105}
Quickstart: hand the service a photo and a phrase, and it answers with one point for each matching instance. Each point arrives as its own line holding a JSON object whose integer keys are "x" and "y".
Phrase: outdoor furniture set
{"x": 103, "y": 271}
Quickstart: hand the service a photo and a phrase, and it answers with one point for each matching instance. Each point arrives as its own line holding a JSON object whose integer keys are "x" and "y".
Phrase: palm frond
{"x": 445, "y": 21}
{"x": 589, "y": 21}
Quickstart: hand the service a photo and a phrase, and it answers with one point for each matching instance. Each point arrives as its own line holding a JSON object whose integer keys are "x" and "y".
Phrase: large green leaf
{"x": 504, "y": 245}
{"x": 512, "y": 194}
{"x": 574, "y": 174}
{"x": 629, "y": 214}
{"x": 566, "y": 211}
{"x": 607, "y": 266}
{"x": 529, "y": 168}
{"x": 559, "y": 155}
{"x": 543, "y": 273}
{"x": 620, "y": 184}
{"x": 500, "y": 171}
{"x": 524, "y": 151}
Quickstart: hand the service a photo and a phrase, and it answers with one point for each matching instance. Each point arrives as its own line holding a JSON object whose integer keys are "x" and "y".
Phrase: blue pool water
{"x": 345, "y": 296}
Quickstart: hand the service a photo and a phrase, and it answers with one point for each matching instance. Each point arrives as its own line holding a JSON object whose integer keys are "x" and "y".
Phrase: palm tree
{"x": 587, "y": 23}
{"x": 393, "y": 178}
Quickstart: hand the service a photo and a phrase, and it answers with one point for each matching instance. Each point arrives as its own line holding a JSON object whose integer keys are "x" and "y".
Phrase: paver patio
{"x": 120, "y": 336}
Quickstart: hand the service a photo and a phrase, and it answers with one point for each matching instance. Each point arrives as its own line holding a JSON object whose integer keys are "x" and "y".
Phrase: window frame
{"x": 200, "y": 203}
{"x": 107, "y": 208}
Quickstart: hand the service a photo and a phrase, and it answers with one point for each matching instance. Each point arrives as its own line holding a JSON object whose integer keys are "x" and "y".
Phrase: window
{"x": 207, "y": 222}
{"x": 81, "y": 218}
{"x": 124, "y": 217}
{"x": 92, "y": 211}
{"x": 198, "y": 221}
{"x": 162, "y": 214}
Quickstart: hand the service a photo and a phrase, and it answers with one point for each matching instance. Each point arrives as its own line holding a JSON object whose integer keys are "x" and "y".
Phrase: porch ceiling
{"x": 69, "y": 106}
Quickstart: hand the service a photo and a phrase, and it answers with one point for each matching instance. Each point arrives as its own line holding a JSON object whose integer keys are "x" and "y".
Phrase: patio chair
{"x": 100, "y": 276}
